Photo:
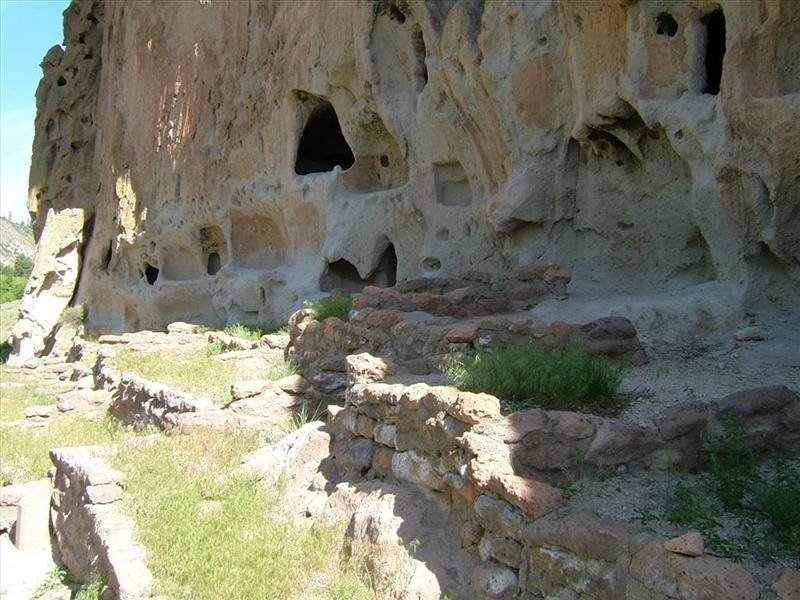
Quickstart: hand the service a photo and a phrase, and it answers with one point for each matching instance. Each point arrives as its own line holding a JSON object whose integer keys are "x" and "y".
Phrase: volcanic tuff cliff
{"x": 218, "y": 161}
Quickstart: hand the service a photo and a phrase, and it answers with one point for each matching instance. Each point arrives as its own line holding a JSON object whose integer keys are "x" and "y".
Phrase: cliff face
{"x": 232, "y": 159}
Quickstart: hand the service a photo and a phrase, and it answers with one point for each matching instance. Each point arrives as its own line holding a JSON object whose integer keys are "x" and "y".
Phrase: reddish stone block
{"x": 384, "y": 318}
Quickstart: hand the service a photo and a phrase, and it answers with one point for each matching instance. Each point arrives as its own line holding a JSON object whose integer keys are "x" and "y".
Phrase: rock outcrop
{"x": 233, "y": 159}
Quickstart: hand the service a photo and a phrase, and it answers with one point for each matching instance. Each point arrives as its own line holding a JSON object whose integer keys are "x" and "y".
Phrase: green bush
{"x": 524, "y": 377}
{"x": 12, "y": 286}
{"x": 73, "y": 315}
{"x": 332, "y": 306}
{"x": 214, "y": 348}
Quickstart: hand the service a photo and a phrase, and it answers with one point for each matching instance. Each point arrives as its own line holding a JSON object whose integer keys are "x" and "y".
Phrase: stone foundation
{"x": 93, "y": 535}
{"x": 501, "y": 476}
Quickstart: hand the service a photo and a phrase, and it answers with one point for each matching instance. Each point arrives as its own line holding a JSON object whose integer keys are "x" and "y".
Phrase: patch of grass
{"x": 303, "y": 417}
{"x": 332, "y": 306}
{"x": 14, "y": 399}
{"x": 24, "y": 452}
{"x": 525, "y": 377}
{"x": 54, "y": 579}
{"x": 91, "y": 591}
{"x": 761, "y": 499}
{"x": 255, "y": 332}
{"x": 280, "y": 369}
{"x": 8, "y": 318}
{"x": 211, "y": 532}
{"x": 196, "y": 373}
{"x": 214, "y": 348}
{"x": 73, "y": 315}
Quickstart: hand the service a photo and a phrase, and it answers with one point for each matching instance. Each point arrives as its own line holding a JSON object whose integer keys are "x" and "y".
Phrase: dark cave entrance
{"x": 715, "y": 49}
{"x": 214, "y": 263}
{"x": 151, "y": 274}
{"x": 343, "y": 275}
{"x": 322, "y": 144}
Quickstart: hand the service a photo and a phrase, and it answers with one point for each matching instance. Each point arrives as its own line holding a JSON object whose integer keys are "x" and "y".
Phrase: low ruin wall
{"x": 94, "y": 536}
{"x": 501, "y": 475}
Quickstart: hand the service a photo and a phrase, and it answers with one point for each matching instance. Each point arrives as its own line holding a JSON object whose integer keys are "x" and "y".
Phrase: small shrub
{"x": 732, "y": 465}
{"x": 214, "y": 348}
{"x": 779, "y": 502}
{"x": 92, "y": 590}
{"x": 73, "y": 315}
{"x": 55, "y": 578}
{"x": 524, "y": 377}
{"x": 5, "y": 351}
{"x": 332, "y": 306}
{"x": 762, "y": 499}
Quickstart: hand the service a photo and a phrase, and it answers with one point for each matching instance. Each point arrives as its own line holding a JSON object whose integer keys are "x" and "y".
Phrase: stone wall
{"x": 93, "y": 535}
{"x": 233, "y": 159}
{"x": 501, "y": 475}
{"x": 420, "y": 323}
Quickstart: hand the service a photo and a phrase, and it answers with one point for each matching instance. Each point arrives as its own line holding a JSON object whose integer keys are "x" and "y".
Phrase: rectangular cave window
{"x": 714, "y": 23}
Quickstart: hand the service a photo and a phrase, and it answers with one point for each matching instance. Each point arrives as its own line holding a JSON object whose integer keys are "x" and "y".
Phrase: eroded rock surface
{"x": 235, "y": 159}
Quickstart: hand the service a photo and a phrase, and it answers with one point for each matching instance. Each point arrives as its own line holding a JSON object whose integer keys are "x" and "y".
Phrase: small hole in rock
{"x": 263, "y": 296}
{"x": 61, "y": 82}
{"x": 679, "y": 134}
{"x": 151, "y": 274}
{"x": 107, "y": 257}
{"x": 666, "y": 25}
{"x": 431, "y": 264}
{"x": 396, "y": 14}
{"x": 384, "y": 161}
{"x": 214, "y": 263}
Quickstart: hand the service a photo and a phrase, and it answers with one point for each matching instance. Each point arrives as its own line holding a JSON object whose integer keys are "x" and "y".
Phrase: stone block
{"x": 33, "y": 517}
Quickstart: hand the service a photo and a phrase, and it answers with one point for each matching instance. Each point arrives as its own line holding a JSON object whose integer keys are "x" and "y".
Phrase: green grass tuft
{"x": 255, "y": 332}
{"x": 280, "y": 369}
{"x": 214, "y": 348}
{"x": 91, "y": 591}
{"x": 73, "y": 315}
{"x": 525, "y": 377}
{"x": 332, "y": 306}
{"x": 305, "y": 416}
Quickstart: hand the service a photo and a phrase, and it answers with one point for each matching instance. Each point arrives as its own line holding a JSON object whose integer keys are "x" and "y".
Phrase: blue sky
{"x": 28, "y": 28}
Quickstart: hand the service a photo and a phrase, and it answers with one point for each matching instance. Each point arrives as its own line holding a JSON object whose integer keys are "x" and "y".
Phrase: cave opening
{"x": 387, "y": 267}
{"x": 322, "y": 144}
{"x": 666, "y": 25}
{"x": 420, "y": 54}
{"x": 151, "y": 273}
{"x": 343, "y": 275}
{"x": 714, "y": 23}
{"x": 108, "y": 255}
{"x": 214, "y": 263}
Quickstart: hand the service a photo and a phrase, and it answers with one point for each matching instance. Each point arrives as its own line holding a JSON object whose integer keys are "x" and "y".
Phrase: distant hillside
{"x": 15, "y": 239}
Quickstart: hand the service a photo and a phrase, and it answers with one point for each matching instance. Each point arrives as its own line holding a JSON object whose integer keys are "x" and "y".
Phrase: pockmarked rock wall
{"x": 233, "y": 159}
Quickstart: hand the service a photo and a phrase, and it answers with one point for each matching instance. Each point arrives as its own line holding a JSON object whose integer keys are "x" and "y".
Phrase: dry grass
{"x": 212, "y": 533}
{"x": 197, "y": 373}
{"x": 24, "y": 452}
